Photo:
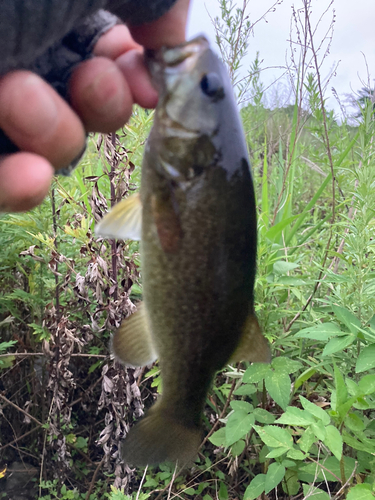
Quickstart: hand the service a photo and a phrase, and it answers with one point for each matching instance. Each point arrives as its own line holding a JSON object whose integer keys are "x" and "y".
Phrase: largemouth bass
{"x": 196, "y": 218}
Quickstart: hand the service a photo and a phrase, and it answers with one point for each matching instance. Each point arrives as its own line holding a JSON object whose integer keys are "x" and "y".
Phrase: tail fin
{"x": 158, "y": 438}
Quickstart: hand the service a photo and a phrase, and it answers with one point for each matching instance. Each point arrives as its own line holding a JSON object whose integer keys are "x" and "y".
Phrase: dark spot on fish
{"x": 211, "y": 85}
{"x": 198, "y": 170}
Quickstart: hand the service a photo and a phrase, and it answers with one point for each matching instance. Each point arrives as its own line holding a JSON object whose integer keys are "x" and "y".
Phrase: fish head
{"x": 196, "y": 117}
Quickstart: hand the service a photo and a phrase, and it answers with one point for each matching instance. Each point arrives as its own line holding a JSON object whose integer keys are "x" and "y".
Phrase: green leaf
{"x": 263, "y": 416}
{"x": 283, "y": 267}
{"x": 333, "y": 441}
{"x": 354, "y": 422}
{"x": 238, "y": 425}
{"x": 303, "y": 377}
{"x": 366, "y": 359}
{"x": 310, "y": 491}
{"x": 347, "y": 318}
{"x": 242, "y": 405}
{"x": 341, "y": 390}
{"x": 315, "y": 410}
{"x": 295, "y": 416}
{"x": 306, "y": 440}
{"x": 274, "y": 436}
{"x": 367, "y": 446}
{"x": 274, "y": 476}
{"x": 6, "y": 345}
{"x": 238, "y": 448}
{"x": 291, "y": 485}
{"x": 296, "y": 454}
{"x": 245, "y": 390}
{"x": 319, "y": 430}
{"x": 360, "y": 492}
{"x": 223, "y": 492}
{"x": 275, "y": 231}
{"x": 218, "y": 437}
{"x": 367, "y": 384}
{"x": 338, "y": 344}
{"x": 279, "y": 386}
{"x": 285, "y": 364}
{"x": 277, "y": 452}
{"x": 256, "y": 373}
{"x": 323, "y": 331}
{"x": 256, "y": 487}
{"x": 190, "y": 491}
{"x": 313, "y": 472}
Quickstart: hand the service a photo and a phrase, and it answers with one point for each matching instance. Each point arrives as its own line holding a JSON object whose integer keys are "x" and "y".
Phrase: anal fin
{"x": 132, "y": 343}
{"x": 253, "y": 346}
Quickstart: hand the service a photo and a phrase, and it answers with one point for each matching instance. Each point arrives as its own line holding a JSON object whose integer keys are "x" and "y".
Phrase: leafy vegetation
{"x": 300, "y": 427}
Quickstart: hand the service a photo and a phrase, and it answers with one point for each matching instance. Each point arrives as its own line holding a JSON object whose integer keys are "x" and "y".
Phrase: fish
{"x": 195, "y": 216}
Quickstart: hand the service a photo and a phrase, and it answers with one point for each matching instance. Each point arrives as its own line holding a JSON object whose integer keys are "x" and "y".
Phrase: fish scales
{"x": 198, "y": 246}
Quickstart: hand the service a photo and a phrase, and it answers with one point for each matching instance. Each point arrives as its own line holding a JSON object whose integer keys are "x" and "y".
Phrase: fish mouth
{"x": 182, "y": 59}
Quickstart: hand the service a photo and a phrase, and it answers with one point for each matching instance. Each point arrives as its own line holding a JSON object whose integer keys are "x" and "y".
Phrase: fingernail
{"x": 104, "y": 95}
{"x": 30, "y": 108}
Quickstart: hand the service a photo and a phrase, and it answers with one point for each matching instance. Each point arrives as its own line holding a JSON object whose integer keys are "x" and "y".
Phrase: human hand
{"x": 103, "y": 90}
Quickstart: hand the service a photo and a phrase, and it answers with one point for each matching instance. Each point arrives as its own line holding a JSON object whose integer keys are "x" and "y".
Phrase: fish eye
{"x": 211, "y": 86}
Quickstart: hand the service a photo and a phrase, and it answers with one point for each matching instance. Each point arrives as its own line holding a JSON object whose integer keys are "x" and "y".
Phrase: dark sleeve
{"x": 51, "y": 37}
{"x": 138, "y": 12}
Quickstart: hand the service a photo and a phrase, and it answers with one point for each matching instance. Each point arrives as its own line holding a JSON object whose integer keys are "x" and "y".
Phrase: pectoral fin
{"x": 124, "y": 221}
{"x": 252, "y": 346}
{"x": 132, "y": 343}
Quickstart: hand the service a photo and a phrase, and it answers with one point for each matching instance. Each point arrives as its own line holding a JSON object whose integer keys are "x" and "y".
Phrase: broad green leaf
{"x": 291, "y": 281}
{"x": 360, "y": 492}
{"x": 291, "y": 485}
{"x": 366, "y": 359}
{"x": 279, "y": 386}
{"x": 363, "y": 445}
{"x": 296, "y": 454}
{"x": 263, "y": 416}
{"x": 367, "y": 384}
{"x": 319, "y": 430}
{"x": 190, "y": 491}
{"x": 256, "y": 487}
{"x": 315, "y": 410}
{"x": 238, "y": 425}
{"x": 295, "y": 416}
{"x": 338, "y": 344}
{"x": 283, "y": 267}
{"x": 313, "y": 472}
{"x": 245, "y": 390}
{"x": 218, "y": 437}
{"x": 310, "y": 491}
{"x": 242, "y": 405}
{"x": 223, "y": 492}
{"x": 347, "y": 318}
{"x": 277, "y": 452}
{"x": 353, "y": 388}
{"x": 323, "y": 331}
{"x": 274, "y": 476}
{"x": 286, "y": 364}
{"x": 256, "y": 372}
{"x": 274, "y": 436}
{"x": 333, "y": 441}
{"x": 306, "y": 440}
{"x": 354, "y": 422}
{"x": 238, "y": 448}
